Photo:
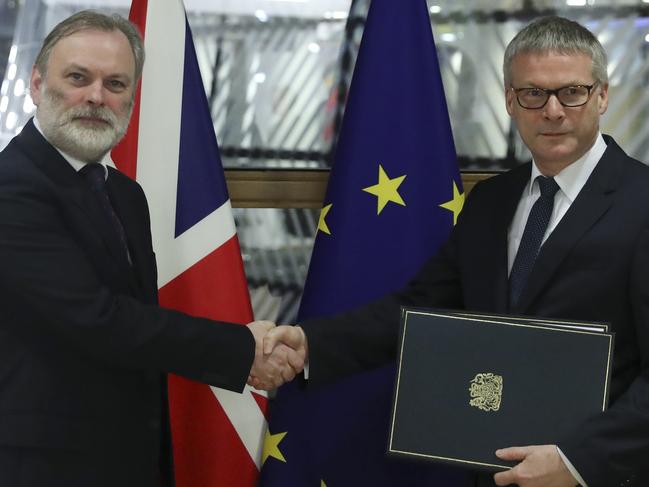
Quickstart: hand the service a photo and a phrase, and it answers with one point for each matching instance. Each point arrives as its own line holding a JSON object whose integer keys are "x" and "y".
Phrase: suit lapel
{"x": 74, "y": 189}
{"x": 133, "y": 227}
{"x": 591, "y": 204}
{"x": 513, "y": 184}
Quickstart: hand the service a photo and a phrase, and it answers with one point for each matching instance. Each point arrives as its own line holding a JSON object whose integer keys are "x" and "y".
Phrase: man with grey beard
{"x": 84, "y": 348}
{"x": 87, "y": 143}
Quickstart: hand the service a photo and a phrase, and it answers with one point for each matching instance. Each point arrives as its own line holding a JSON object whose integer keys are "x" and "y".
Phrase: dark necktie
{"x": 95, "y": 174}
{"x": 537, "y": 224}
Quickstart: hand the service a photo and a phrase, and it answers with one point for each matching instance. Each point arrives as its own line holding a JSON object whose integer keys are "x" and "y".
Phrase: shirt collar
{"x": 574, "y": 176}
{"x": 75, "y": 163}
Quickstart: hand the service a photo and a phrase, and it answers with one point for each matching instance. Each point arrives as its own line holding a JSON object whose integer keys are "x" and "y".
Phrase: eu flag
{"x": 394, "y": 194}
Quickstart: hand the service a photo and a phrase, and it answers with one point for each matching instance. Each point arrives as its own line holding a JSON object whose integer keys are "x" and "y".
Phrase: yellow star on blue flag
{"x": 456, "y": 204}
{"x": 271, "y": 446}
{"x": 322, "y": 224}
{"x": 386, "y": 190}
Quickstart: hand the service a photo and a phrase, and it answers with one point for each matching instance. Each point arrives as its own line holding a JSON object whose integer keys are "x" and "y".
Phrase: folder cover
{"x": 468, "y": 384}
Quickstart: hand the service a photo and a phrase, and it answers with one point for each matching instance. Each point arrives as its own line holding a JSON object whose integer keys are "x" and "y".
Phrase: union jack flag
{"x": 171, "y": 150}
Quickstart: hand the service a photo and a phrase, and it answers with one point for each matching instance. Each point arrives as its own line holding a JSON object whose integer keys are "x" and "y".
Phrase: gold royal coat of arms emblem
{"x": 486, "y": 392}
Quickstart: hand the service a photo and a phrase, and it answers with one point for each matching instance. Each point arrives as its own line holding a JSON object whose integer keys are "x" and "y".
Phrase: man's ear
{"x": 510, "y": 96}
{"x": 602, "y": 102}
{"x": 36, "y": 85}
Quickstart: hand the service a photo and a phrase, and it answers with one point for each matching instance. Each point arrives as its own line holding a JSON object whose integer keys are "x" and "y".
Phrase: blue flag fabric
{"x": 394, "y": 194}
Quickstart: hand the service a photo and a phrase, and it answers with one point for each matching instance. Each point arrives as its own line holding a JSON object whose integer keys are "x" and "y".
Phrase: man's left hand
{"x": 540, "y": 466}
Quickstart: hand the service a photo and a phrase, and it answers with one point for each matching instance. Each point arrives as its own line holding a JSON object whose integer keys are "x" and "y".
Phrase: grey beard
{"x": 72, "y": 136}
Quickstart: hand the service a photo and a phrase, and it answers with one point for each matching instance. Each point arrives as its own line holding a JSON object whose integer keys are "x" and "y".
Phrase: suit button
{"x": 154, "y": 424}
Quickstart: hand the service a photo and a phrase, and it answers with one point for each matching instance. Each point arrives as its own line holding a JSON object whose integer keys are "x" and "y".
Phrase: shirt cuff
{"x": 572, "y": 469}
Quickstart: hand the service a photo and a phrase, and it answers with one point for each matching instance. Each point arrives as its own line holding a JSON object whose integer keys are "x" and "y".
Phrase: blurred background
{"x": 276, "y": 74}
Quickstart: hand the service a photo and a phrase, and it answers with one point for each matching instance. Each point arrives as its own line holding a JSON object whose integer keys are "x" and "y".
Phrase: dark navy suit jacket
{"x": 84, "y": 348}
{"x": 594, "y": 266}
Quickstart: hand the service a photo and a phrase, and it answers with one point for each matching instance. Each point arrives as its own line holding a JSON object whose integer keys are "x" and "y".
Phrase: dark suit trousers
{"x": 45, "y": 467}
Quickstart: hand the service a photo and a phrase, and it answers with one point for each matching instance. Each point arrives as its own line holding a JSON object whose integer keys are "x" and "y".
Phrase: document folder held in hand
{"x": 468, "y": 384}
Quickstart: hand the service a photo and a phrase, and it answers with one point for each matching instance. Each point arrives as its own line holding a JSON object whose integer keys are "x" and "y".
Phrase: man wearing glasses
{"x": 565, "y": 236}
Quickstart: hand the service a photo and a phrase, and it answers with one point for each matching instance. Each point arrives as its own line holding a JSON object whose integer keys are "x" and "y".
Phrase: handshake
{"x": 280, "y": 354}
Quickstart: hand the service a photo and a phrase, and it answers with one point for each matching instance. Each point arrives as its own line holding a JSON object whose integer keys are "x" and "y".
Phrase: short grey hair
{"x": 558, "y": 35}
{"x": 91, "y": 20}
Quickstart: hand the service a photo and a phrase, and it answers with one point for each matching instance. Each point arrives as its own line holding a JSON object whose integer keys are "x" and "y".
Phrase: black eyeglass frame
{"x": 555, "y": 92}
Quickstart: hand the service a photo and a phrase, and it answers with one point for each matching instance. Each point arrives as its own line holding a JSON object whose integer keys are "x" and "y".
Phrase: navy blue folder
{"x": 468, "y": 384}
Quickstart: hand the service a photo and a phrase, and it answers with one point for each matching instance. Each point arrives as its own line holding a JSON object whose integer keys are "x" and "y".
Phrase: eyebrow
{"x": 571, "y": 83}
{"x": 78, "y": 67}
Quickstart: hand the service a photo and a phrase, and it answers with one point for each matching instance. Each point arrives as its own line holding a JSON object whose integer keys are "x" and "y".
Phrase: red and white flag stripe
{"x": 217, "y": 435}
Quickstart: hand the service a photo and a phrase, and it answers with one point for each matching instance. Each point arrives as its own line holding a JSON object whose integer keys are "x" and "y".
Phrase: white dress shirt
{"x": 570, "y": 180}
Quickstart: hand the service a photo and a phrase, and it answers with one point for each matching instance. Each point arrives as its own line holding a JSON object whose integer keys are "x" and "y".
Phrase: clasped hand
{"x": 280, "y": 354}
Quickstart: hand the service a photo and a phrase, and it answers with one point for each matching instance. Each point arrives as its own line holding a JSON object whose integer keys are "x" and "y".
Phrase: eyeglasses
{"x": 568, "y": 96}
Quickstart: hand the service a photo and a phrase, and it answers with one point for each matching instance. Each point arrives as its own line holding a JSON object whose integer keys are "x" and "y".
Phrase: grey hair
{"x": 558, "y": 35}
{"x": 91, "y": 20}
